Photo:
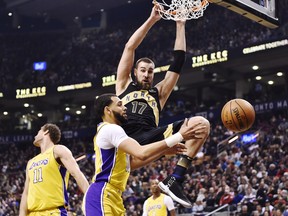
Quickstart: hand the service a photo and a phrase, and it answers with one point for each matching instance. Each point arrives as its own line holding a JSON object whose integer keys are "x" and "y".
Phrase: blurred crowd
{"x": 74, "y": 57}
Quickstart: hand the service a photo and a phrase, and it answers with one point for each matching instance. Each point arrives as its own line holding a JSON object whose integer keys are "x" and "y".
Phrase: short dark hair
{"x": 144, "y": 59}
{"x": 54, "y": 132}
{"x": 100, "y": 103}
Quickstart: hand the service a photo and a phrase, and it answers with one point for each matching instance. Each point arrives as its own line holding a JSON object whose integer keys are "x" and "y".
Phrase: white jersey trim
{"x": 110, "y": 136}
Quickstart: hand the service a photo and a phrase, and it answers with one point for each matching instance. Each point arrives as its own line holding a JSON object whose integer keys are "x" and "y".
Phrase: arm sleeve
{"x": 145, "y": 213}
{"x": 169, "y": 203}
{"x": 110, "y": 136}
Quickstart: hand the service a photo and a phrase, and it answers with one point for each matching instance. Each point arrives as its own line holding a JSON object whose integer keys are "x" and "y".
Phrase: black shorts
{"x": 149, "y": 135}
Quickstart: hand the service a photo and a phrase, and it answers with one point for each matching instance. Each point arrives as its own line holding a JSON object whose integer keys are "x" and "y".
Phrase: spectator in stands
{"x": 272, "y": 171}
{"x": 267, "y": 208}
{"x": 210, "y": 200}
{"x": 244, "y": 211}
{"x": 227, "y": 197}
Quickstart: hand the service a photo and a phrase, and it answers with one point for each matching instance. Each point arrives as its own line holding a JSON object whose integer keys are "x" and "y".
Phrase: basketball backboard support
{"x": 265, "y": 12}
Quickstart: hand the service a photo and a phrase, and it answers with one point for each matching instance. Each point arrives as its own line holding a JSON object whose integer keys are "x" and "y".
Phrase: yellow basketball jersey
{"x": 111, "y": 165}
{"x": 156, "y": 207}
{"x": 48, "y": 182}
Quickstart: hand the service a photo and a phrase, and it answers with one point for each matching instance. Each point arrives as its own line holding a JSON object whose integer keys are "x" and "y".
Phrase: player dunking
{"x": 117, "y": 154}
{"x": 145, "y": 102}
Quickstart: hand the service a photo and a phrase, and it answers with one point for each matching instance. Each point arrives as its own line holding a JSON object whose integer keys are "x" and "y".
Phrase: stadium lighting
{"x": 279, "y": 74}
{"x": 83, "y": 107}
{"x": 78, "y": 112}
{"x": 10, "y": 14}
{"x": 67, "y": 108}
{"x": 5, "y": 113}
{"x": 270, "y": 82}
{"x": 26, "y": 105}
{"x": 233, "y": 139}
{"x": 81, "y": 157}
{"x": 255, "y": 67}
{"x": 256, "y": 135}
{"x": 258, "y": 77}
{"x": 39, "y": 114}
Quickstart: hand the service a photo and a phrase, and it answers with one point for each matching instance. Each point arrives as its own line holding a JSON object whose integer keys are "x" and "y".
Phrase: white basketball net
{"x": 182, "y": 9}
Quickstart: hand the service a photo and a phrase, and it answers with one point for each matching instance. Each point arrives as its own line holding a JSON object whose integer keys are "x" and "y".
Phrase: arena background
{"x": 57, "y": 57}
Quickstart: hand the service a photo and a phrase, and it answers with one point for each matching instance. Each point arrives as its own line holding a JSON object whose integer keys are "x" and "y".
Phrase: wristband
{"x": 174, "y": 139}
{"x": 179, "y": 59}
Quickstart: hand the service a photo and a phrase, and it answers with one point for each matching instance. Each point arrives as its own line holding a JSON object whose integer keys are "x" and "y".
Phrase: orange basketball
{"x": 238, "y": 115}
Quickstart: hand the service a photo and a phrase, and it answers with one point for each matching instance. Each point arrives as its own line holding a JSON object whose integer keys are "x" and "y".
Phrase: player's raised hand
{"x": 196, "y": 131}
{"x": 155, "y": 11}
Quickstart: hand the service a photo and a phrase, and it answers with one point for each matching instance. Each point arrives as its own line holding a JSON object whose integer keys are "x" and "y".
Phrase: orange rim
{"x": 203, "y": 4}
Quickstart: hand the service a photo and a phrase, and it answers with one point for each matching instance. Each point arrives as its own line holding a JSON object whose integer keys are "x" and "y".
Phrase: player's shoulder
{"x": 107, "y": 127}
{"x": 166, "y": 197}
{"x": 110, "y": 129}
{"x": 60, "y": 150}
{"x": 59, "y": 146}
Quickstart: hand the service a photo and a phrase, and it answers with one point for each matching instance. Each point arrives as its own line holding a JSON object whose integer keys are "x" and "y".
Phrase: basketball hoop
{"x": 181, "y": 9}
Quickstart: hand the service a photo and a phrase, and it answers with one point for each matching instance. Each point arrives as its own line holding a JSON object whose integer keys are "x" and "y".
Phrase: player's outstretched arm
{"x": 138, "y": 163}
{"x": 166, "y": 86}
{"x": 127, "y": 60}
{"x": 142, "y": 155}
{"x": 69, "y": 162}
{"x": 23, "y": 211}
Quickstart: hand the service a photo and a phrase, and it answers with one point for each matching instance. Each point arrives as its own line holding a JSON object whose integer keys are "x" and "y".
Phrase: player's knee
{"x": 203, "y": 122}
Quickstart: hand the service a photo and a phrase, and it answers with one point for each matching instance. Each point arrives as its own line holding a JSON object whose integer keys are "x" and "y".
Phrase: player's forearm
{"x": 138, "y": 36}
{"x": 151, "y": 150}
{"x": 136, "y": 163}
{"x": 23, "y": 210}
{"x": 172, "y": 212}
{"x": 23, "y": 205}
{"x": 180, "y": 41}
{"x": 82, "y": 182}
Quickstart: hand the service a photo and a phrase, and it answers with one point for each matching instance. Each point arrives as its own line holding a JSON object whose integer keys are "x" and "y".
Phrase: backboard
{"x": 265, "y": 12}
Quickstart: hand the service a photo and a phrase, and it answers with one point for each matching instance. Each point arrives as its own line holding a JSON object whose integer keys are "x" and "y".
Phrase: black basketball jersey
{"x": 143, "y": 108}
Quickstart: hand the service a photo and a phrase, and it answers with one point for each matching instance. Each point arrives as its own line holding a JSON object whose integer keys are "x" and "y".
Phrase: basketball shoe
{"x": 174, "y": 190}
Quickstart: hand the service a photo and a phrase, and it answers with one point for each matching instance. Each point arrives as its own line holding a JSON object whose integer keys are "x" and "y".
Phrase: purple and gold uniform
{"x": 112, "y": 169}
{"x": 48, "y": 182}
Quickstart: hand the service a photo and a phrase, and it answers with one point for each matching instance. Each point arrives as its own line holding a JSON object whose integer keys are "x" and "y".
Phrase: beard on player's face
{"x": 120, "y": 118}
{"x": 143, "y": 85}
